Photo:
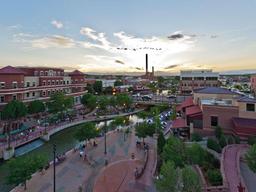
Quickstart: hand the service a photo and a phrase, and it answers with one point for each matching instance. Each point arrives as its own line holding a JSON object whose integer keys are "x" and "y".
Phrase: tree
{"x": 143, "y": 130}
{"x": 97, "y": 86}
{"x": 11, "y": 112}
{"x": 86, "y": 132}
{"x": 190, "y": 179}
{"x": 174, "y": 150}
{"x": 103, "y": 102}
{"x": 195, "y": 154}
{"x": 89, "y": 100}
{"x": 143, "y": 114}
{"x": 21, "y": 169}
{"x": 168, "y": 178}
{"x": 119, "y": 121}
{"x": 250, "y": 158}
{"x": 123, "y": 100}
{"x": 59, "y": 102}
{"x": 214, "y": 177}
{"x": 251, "y": 140}
{"x": 90, "y": 89}
{"x": 218, "y": 132}
{"x": 222, "y": 141}
{"x": 160, "y": 143}
{"x": 214, "y": 145}
{"x": 36, "y": 106}
{"x": 118, "y": 83}
{"x": 108, "y": 90}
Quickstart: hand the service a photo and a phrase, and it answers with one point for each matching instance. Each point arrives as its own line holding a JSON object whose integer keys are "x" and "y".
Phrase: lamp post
{"x": 54, "y": 165}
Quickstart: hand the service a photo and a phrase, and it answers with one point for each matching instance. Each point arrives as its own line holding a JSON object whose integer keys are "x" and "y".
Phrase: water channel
{"x": 64, "y": 141}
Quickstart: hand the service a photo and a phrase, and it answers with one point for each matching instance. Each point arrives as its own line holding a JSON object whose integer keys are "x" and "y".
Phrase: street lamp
{"x": 54, "y": 165}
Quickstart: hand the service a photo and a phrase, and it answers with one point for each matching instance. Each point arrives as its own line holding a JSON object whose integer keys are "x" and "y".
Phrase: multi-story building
{"x": 194, "y": 79}
{"x": 38, "y": 83}
{"x": 253, "y": 84}
{"x": 213, "y": 106}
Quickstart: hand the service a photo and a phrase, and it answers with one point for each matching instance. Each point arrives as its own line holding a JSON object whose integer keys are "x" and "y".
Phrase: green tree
{"x": 21, "y": 169}
{"x": 119, "y": 121}
{"x": 59, "y": 102}
{"x": 143, "y": 114}
{"x": 168, "y": 178}
{"x": 190, "y": 179}
{"x": 103, "y": 102}
{"x": 143, "y": 130}
{"x": 250, "y": 158}
{"x": 36, "y": 106}
{"x": 113, "y": 101}
{"x": 251, "y": 140}
{"x": 222, "y": 141}
{"x": 214, "y": 145}
{"x": 195, "y": 154}
{"x": 97, "y": 86}
{"x": 89, "y": 100}
{"x": 118, "y": 83}
{"x": 86, "y": 132}
{"x": 174, "y": 150}
{"x": 196, "y": 137}
{"x": 123, "y": 100}
{"x": 160, "y": 143}
{"x": 12, "y": 112}
{"x": 90, "y": 88}
{"x": 218, "y": 132}
{"x": 108, "y": 90}
{"x": 214, "y": 177}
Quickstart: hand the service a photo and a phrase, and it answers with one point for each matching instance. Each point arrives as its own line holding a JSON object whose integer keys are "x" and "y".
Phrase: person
{"x": 81, "y": 153}
{"x": 136, "y": 172}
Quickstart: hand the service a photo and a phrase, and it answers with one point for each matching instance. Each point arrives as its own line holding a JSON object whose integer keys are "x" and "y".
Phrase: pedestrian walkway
{"x": 74, "y": 172}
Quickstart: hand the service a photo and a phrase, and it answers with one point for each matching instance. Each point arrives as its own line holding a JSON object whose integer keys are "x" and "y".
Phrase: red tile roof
{"x": 178, "y": 108}
{"x": 179, "y": 123}
{"x": 11, "y": 70}
{"x": 188, "y": 102}
{"x": 193, "y": 110}
{"x": 76, "y": 72}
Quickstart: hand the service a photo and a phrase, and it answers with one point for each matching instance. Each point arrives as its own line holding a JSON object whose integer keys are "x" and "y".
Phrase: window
{"x": 212, "y": 78}
{"x": 1, "y": 99}
{"x": 34, "y": 84}
{"x": 2, "y": 85}
{"x": 28, "y": 84}
{"x": 43, "y": 93}
{"x": 41, "y": 73}
{"x": 14, "y": 84}
{"x": 198, "y": 78}
{"x": 14, "y": 97}
{"x": 57, "y": 82}
{"x": 250, "y": 107}
{"x": 67, "y": 82}
{"x": 49, "y": 82}
{"x": 27, "y": 94}
{"x": 33, "y": 94}
{"x": 214, "y": 121}
{"x": 53, "y": 82}
{"x": 44, "y": 82}
{"x": 186, "y": 78}
{"x": 36, "y": 73}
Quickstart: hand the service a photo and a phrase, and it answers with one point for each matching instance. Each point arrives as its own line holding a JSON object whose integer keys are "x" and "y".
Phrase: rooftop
{"x": 247, "y": 99}
{"x": 215, "y": 90}
{"x": 11, "y": 70}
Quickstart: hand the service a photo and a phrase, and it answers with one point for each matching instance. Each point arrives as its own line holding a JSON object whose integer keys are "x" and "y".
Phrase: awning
{"x": 193, "y": 110}
{"x": 188, "y": 102}
{"x": 244, "y": 126}
{"x": 179, "y": 123}
{"x": 22, "y": 128}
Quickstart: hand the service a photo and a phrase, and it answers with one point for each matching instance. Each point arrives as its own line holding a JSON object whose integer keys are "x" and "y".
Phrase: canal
{"x": 64, "y": 141}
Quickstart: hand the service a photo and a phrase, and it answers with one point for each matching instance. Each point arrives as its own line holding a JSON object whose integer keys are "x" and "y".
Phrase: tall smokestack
{"x": 153, "y": 71}
{"x": 146, "y": 63}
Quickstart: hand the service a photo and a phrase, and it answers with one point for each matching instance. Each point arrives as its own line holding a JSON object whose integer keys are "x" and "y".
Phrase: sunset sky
{"x": 110, "y": 36}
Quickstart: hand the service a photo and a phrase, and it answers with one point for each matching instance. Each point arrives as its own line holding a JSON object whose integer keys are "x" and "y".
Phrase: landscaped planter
{"x": 8, "y": 153}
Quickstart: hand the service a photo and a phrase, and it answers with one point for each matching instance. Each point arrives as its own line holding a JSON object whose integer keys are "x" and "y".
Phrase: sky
{"x": 113, "y": 36}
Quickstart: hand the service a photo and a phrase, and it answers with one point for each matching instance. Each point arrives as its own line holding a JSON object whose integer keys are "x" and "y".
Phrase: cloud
{"x": 176, "y": 36}
{"x": 171, "y": 66}
{"x": 213, "y": 36}
{"x": 120, "y": 62}
{"x": 57, "y": 24}
{"x": 55, "y": 41}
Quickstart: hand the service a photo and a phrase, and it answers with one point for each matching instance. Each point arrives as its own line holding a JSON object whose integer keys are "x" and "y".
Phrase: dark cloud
{"x": 137, "y": 68}
{"x": 175, "y": 36}
{"x": 120, "y": 62}
{"x": 171, "y": 66}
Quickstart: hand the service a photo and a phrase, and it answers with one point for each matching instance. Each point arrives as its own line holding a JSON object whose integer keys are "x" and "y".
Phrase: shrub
{"x": 214, "y": 145}
{"x": 218, "y": 132}
{"x": 230, "y": 139}
{"x": 195, "y": 154}
{"x": 214, "y": 177}
{"x": 196, "y": 137}
{"x": 237, "y": 139}
{"x": 222, "y": 141}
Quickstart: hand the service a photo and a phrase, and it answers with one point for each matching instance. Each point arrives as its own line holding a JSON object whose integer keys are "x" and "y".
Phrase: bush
{"x": 214, "y": 145}
{"x": 230, "y": 140}
{"x": 214, "y": 177}
{"x": 237, "y": 139}
{"x": 218, "y": 132}
{"x": 222, "y": 141}
{"x": 196, "y": 137}
{"x": 251, "y": 140}
{"x": 195, "y": 154}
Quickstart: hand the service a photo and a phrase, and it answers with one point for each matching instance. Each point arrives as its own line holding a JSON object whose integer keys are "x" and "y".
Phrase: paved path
{"x": 75, "y": 172}
{"x": 231, "y": 165}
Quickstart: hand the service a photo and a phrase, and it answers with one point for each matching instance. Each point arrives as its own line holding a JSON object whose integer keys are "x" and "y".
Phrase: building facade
{"x": 37, "y": 83}
{"x": 253, "y": 84}
{"x": 194, "y": 79}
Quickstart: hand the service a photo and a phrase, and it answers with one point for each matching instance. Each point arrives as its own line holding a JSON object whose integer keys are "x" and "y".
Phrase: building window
{"x": 49, "y": 82}
{"x": 53, "y": 82}
{"x": 2, "y": 99}
{"x": 33, "y": 94}
{"x": 14, "y": 97}
{"x": 57, "y": 82}
{"x": 198, "y": 78}
{"x": 41, "y": 73}
{"x": 34, "y": 84}
{"x": 2, "y": 85}
{"x": 44, "y": 83}
{"x": 67, "y": 82}
{"x": 250, "y": 107}
{"x": 36, "y": 73}
{"x": 43, "y": 93}
{"x": 49, "y": 93}
{"x": 28, "y": 84}
{"x": 14, "y": 85}
{"x": 27, "y": 94}
{"x": 214, "y": 121}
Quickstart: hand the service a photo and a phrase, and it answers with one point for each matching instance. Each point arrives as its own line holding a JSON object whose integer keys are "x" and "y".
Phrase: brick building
{"x": 253, "y": 84}
{"x": 194, "y": 79}
{"x": 213, "y": 106}
{"x": 38, "y": 83}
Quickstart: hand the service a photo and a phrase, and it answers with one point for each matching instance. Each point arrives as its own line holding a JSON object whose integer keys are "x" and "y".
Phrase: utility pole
{"x": 54, "y": 165}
